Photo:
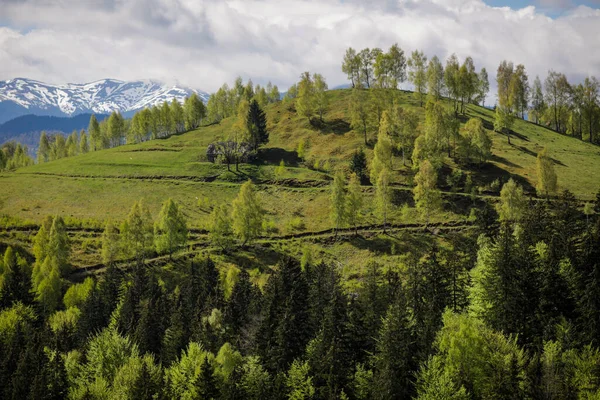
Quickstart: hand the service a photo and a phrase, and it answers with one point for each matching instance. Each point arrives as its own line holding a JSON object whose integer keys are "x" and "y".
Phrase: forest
{"x": 362, "y": 243}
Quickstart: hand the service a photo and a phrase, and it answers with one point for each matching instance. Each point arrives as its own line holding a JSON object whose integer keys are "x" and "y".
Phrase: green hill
{"x": 89, "y": 189}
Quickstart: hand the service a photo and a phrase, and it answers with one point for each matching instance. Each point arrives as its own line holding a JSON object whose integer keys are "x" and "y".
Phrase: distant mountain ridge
{"x": 21, "y": 96}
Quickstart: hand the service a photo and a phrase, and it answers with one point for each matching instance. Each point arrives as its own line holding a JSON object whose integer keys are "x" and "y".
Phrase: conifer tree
{"x": 338, "y": 201}
{"x": 547, "y": 181}
{"x": 257, "y": 125}
{"x": 427, "y": 198}
{"x": 358, "y": 165}
{"x": 247, "y": 214}
{"x": 170, "y": 230}
{"x": 394, "y": 357}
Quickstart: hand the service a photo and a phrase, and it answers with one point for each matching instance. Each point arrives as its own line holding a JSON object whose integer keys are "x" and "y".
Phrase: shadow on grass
{"x": 336, "y": 126}
{"x": 274, "y": 155}
{"x": 257, "y": 256}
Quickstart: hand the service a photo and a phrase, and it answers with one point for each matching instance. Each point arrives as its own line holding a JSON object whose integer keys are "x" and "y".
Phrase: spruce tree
{"x": 207, "y": 385}
{"x": 257, "y": 123}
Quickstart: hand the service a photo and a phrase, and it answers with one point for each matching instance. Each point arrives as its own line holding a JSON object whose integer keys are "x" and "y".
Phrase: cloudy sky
{"x": 203, "y": 43}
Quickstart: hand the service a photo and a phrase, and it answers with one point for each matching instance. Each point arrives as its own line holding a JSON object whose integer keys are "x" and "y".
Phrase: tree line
{"x": 569, "y": 108}
{"x": 159, "y": 121}
{"x": 14, "y": 155}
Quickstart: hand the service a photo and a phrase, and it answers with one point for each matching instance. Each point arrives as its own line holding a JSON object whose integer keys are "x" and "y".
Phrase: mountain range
{"x": 22, "y": 96}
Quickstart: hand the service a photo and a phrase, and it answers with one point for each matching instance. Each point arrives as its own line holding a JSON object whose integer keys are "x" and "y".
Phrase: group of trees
{"x": 247, "y": 135}
{"x": 573, "y": 109}
{"x": 310, "y": 95}
{"x": 511, "y": 315}
{"x": 159, "y": 121}
{"x": 225, "y": 102}
{"x": 372, "y": 68}
{"x": 14, "y": 155}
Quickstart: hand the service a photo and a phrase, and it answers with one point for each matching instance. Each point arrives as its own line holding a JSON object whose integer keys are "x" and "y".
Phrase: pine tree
{"x": 394, "y": 357}
{"x": 207, "y": 384}
{"x": 547, "y": 181}
{"x": 247, "y": 214}
{"x": 358, "y": 165}
{"x": 427, "y": 198}
{"x": 257, "y": 123}
{"x": 338, "y": 201}
{"x": 170, "y": 230}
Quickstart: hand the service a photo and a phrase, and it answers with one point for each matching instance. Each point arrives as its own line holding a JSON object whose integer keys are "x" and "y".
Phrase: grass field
{"x": 104, "y": 185}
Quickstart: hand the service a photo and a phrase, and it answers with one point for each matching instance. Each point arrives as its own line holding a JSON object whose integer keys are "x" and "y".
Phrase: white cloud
{"x": 205, "y": 43}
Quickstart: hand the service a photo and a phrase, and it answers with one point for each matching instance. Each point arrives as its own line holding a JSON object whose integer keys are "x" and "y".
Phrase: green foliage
{"x": 170, "y": 229}
{"x": 417, "y": 73}
{"x": 280, "y": 171}
{"x": 354, "y": 201}
{"x": 247, "y": 214}
{"x": 338, "y": 201}
{"x": 358, "y": 164}
{"x": 512, "y": 202}
{"x": 382, "y": 153}
{"x": 78, "y": 293}
{"x": 137, "y": 231}
{"x": 299, "y": 381}
{"x": 220, "y": 229}
{"x": 110, "y": 243}
{"x": 427, "y": 199}
{"x": 383, "y": 195}
{"x": 547, "y": 180}
{"x": 305, "y": 104}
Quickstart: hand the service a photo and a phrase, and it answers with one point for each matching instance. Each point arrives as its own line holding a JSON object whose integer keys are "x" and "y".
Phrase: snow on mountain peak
{"x": 102, "y": 96}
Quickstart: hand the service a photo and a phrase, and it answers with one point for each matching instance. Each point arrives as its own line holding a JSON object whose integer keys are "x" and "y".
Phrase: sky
{"x": 204, "y": 43}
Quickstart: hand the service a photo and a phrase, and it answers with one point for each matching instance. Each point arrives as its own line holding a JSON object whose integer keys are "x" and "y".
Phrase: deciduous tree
{"x": 247, "y": 214}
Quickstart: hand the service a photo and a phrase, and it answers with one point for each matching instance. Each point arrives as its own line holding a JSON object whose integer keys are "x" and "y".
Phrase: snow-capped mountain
{"x": 25, "y": 96}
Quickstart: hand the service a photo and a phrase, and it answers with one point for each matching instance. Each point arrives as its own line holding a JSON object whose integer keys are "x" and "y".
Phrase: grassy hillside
{"x": 100, "y": 185}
